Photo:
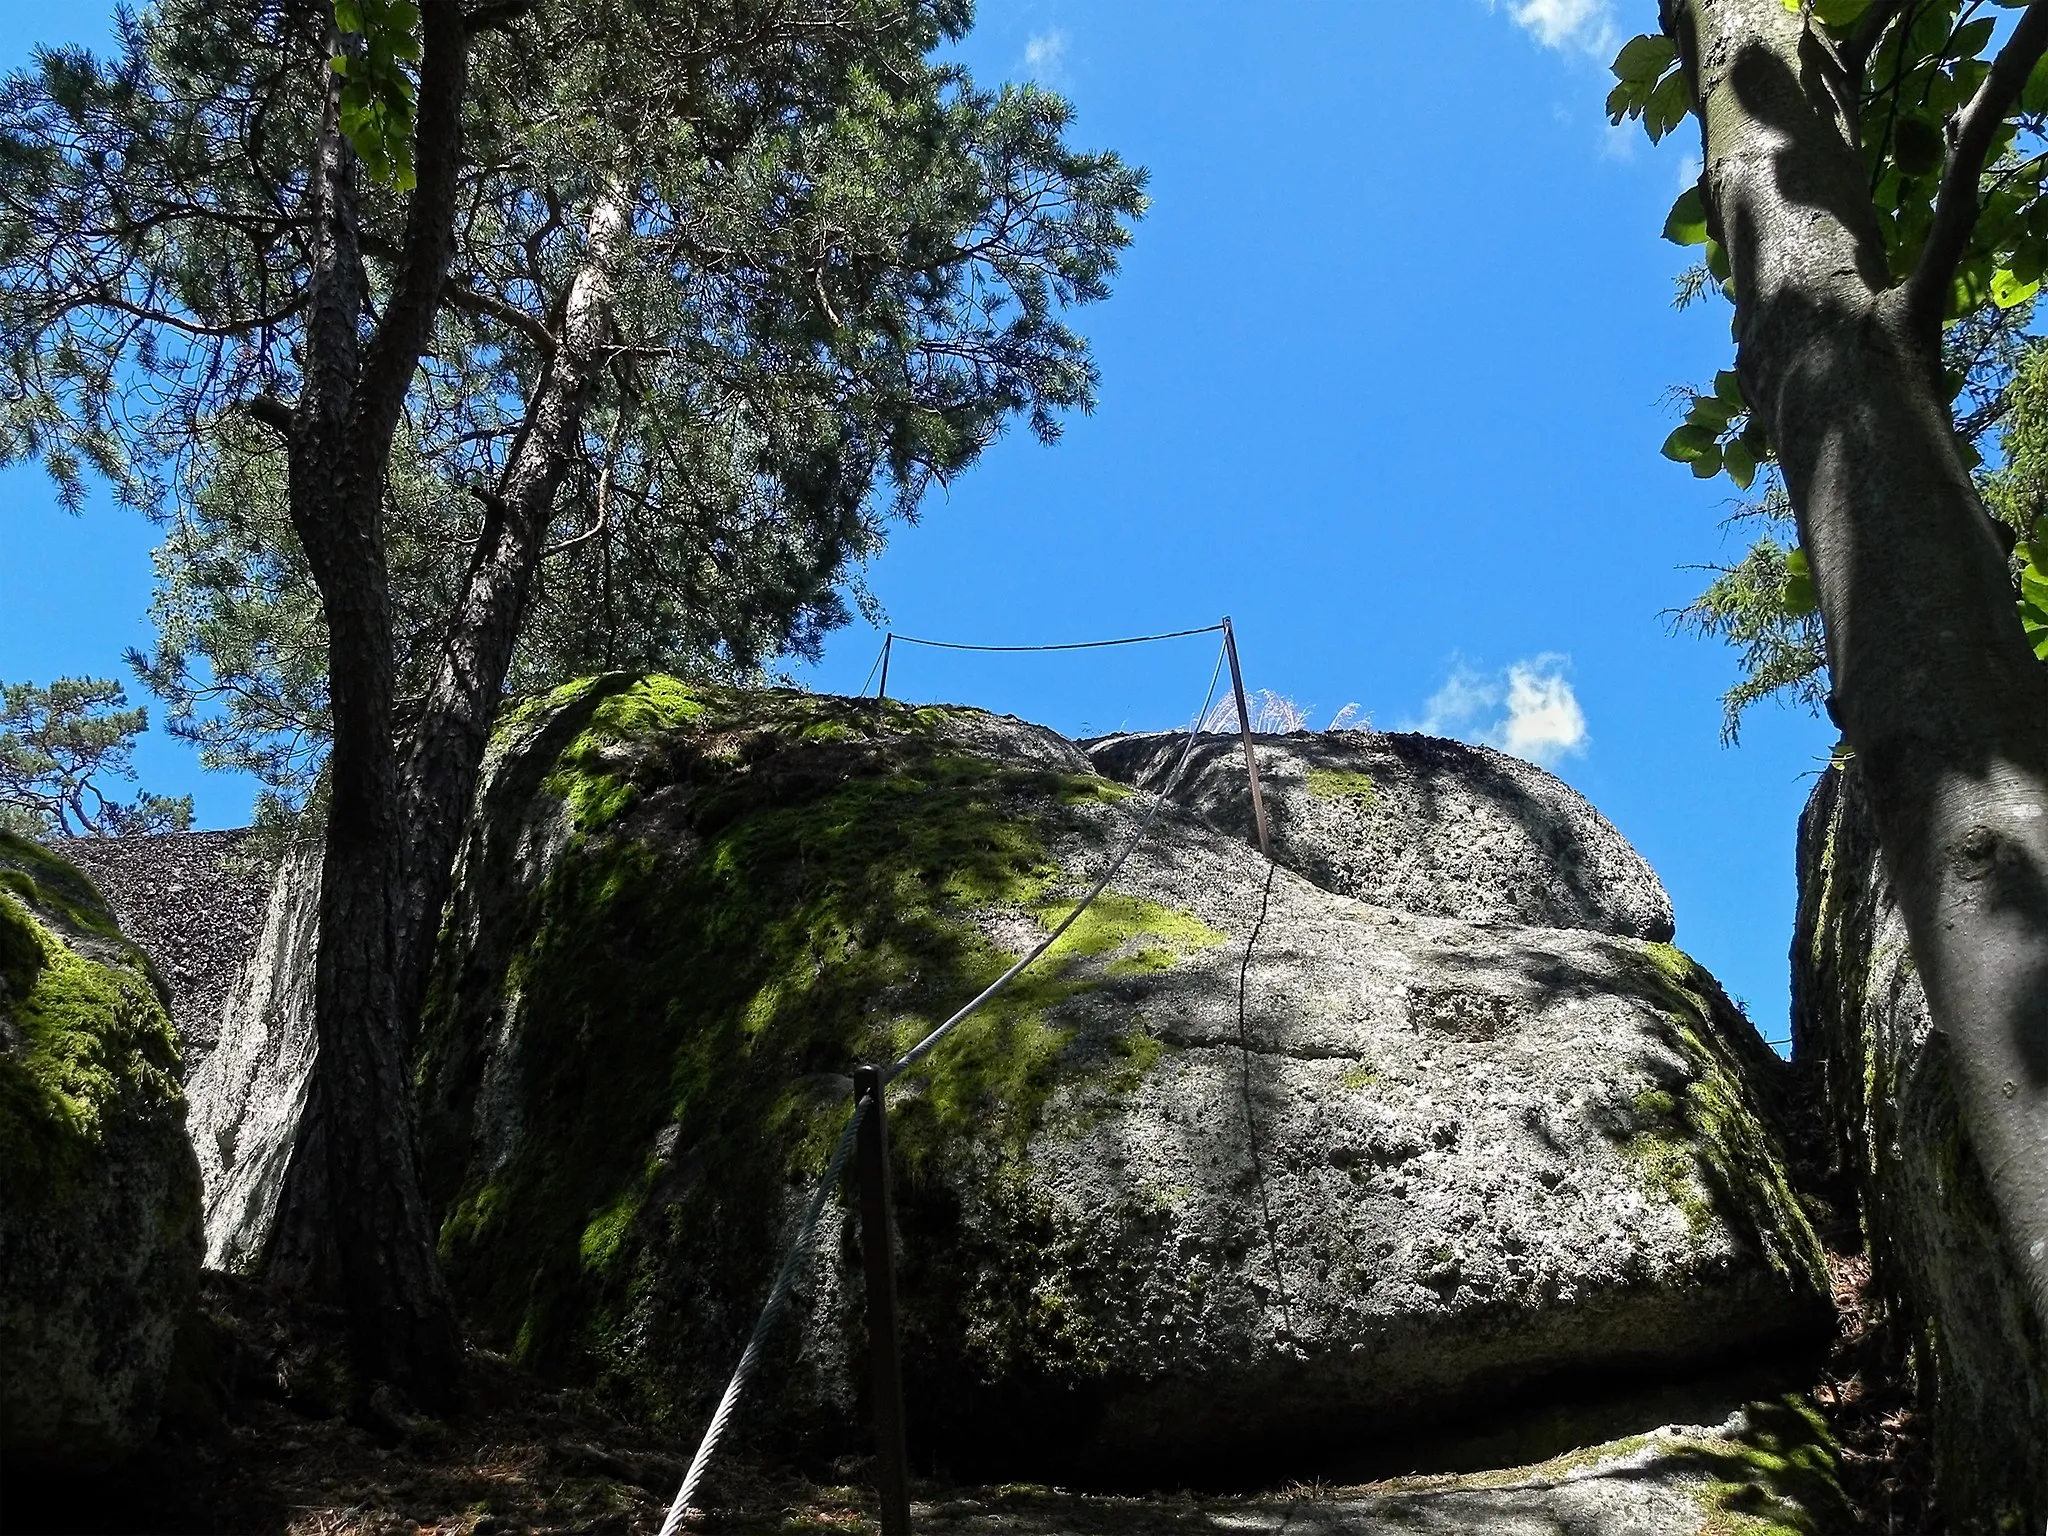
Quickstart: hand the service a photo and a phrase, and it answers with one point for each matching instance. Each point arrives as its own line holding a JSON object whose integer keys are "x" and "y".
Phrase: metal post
{"x": 1244, "y": 726}
{"x": 882, "y": 692}
{"x": 871, "y": 1153}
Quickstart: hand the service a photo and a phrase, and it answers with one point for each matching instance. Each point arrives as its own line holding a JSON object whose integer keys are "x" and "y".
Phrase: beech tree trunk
{"x": 352, "y": 1226}
{"x": 1935, "y": 687}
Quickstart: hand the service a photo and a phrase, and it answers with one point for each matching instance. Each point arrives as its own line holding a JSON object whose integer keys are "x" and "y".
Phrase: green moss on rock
{"x": 85, "y": 1043}
{"x": 1703, "y": 1143}
{"x": 99, "y": 1188}
{"x": 1338, "y": 784}
{"x": 757, "y": 890}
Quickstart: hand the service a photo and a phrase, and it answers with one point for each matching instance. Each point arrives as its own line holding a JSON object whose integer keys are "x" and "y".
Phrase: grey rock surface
{"x": 1434, "y": 1167}
{"x": 1675, "y": 1480}
{"x": 250, "y": 1091}
{"x": 99, "y": 1193}
{"x": 1859, "y": 1017}
{"x": 1414, "y": 822}
{"x": 193, "y": 901}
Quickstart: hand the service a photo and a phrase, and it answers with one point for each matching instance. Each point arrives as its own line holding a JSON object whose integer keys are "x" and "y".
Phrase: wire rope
{"x": 785, "y": 1277}
{"x": 1071, "y": 645}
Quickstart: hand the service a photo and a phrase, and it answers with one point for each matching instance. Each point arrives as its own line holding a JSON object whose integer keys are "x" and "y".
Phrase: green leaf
{"x": 1839, "y": 13}
{"x": 1917, "y": 147}
{"x": 1643, "y": 59}
{"x": 1967, "y": 452}
{"x": 1740, "y": 466}
{"x": 1689, "y": 443}
{"x": 1713, "y": 413}
{"x": 2034, "y": 94}
{"x": 1708, "y": 464}
{"x": 2008, "y": 292}
{"x": 1686, "y": 224}
{"x": 1728, "y": 387}
{"x": 1798, "y": 595}
{"x": 1970, "y": 40}
{"x": 1668, "y": 105}
{"x": 1717, "y": 261}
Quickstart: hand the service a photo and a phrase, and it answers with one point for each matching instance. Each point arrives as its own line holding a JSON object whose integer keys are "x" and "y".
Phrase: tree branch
{"x": 272, "y": 412}
{"x": 1957, "y": 203}
{"x": 1863, "y": 42}
{"x": 460, "y": 296}
{"x": 428, "y": 243}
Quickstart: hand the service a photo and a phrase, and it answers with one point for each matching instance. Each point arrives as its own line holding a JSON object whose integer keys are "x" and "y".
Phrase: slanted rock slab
{"x": 1414, "y": 822}
{"x": 1433, "y": 1166}
{"x": 99, "y": 1191}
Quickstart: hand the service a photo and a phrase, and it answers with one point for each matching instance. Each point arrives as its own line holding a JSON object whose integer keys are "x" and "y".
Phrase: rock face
{"x": 1766, "y": 1470}
{"x": 1859, "y": 1014}
{"x": 1433, "y": 1167}
{"x": 99, "y": 1193}
{"x": 1415, "y": 822}
{"x": 248, "y": 1094}
{"x": 193, "y": 903}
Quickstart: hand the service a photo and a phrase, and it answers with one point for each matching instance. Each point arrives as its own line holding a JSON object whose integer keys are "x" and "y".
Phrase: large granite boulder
{"x": 1429, "y": 1169}
{"x": 250, "y": 1091}
{"x": 1860, "y": 1019}
{"x": 99, "y": 1193}
{"x": 1414, "y": 822}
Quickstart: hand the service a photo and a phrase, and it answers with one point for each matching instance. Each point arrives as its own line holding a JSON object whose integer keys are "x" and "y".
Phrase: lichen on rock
{"x": 99, "y": 1192}
{"x": 684, "y": 913}
{"x": 1860, "y": 1021}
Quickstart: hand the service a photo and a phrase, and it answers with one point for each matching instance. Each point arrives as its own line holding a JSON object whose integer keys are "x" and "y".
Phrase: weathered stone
{"x": 249, "y": 1093}
{"x": 1434, "y": 1164}
{"x": 1859, "y": 1014}
{"x": 99, "y": 1193}
{"x": 1767, "y": 1470}
{"x": 1415, "y": 822}
{"x": 193, "y": 903}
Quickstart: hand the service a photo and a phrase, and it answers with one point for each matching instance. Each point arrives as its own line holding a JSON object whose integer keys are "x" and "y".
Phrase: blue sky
{"x": 1384, "y": 378}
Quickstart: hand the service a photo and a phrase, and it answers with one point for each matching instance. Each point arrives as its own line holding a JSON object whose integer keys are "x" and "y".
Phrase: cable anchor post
{"x": 885, "y": 1366}
{"x": 1244, "y": 727}
{"x": 882, "y": 689}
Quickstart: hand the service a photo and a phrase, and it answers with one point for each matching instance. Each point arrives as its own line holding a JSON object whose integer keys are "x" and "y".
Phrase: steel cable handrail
{"x": 785, "y": 1276}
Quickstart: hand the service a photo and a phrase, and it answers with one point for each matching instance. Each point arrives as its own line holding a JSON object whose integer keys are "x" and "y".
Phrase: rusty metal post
{"x": 871, "y": 1155}
{"x": 1244, "y": 726}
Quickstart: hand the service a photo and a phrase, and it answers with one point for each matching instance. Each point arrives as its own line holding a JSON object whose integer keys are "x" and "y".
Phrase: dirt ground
{"x": 259, "y": 1447}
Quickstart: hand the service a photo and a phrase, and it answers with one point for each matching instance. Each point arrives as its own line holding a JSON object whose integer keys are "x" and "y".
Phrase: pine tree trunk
{"x": 1935, "y": 686}
{"x": 352, "y": 1226}
{"x": 447, "y": 752}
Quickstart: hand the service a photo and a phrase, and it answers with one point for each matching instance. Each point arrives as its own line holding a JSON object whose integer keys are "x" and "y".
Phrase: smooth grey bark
{"x": 1935, "y": 686}
{"x": 352, "y": 1223}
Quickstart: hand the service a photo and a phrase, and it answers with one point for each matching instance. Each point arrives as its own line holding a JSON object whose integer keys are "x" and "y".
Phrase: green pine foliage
{"x": 848, "y": 269}
{"x": 59, "y": 747}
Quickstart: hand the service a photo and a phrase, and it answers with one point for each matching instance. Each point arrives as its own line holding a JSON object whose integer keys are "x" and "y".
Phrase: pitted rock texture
{"x": 248, "y": 1094}
{"x": 193, "y": 901}
{"x": 1438, "y": 1164}
{"x": 1414, "y": 822}
{"x": 99, "y": 1194}
{"x": 1767, "y": 1468}
{"x": 1860, "y": 1019}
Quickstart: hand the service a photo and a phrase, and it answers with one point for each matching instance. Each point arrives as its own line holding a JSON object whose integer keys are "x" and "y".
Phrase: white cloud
{"x": 1529, "y": 709}
{"x": 1044, "y": 52}
{"x": 1567, "y": 25}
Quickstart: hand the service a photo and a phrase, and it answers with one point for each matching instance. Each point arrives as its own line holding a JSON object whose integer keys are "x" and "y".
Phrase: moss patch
{"x": 761, "y": 889}
{"x": 1702, "y": 1144}
{"x": 1337, "y": 784}
{"x": 87, "y": 1045}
